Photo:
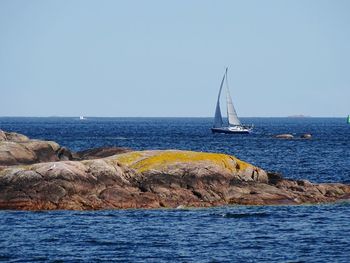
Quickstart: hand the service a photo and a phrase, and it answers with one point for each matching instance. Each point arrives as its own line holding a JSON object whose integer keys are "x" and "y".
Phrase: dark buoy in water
{"x": 348, "y": 120}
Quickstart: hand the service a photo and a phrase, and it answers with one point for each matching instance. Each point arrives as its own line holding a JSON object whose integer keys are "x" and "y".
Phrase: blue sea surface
{"x": 309, "y": 233}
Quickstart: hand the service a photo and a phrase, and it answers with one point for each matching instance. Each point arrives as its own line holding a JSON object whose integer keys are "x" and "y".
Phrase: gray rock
{"x": 19, "y": 149}
{"x": 284, "y": 136}
{"x": 306, "y": 136}
{"x": 12, "y": 136}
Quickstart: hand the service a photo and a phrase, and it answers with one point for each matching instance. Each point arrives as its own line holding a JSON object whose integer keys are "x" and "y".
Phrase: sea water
{"x": 309, "y": 233}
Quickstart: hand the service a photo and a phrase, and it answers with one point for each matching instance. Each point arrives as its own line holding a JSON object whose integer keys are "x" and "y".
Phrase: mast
{"x": 218, "y": 118}
{"x": 231, "y": 112}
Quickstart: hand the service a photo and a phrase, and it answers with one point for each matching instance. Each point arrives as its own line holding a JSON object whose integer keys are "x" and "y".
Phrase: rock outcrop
{"x": 143, "y": 179}
{"x": 284, "y": 136}
{"x": 99, "y": 152}
{"x": 17, "y": 149}
{"x": 290, "y": 136}
{"x": 306, "y": 136}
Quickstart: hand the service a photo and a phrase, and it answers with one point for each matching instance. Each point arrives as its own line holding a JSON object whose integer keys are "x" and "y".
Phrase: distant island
{"x": 298, "y": 116}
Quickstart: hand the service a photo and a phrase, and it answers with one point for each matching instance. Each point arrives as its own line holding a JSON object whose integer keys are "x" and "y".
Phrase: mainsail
{"x": 218, "y": 118}
{"x": 231, "y": 112}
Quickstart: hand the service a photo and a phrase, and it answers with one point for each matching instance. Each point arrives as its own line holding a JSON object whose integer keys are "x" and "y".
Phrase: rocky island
{"x": 42, "y": 175}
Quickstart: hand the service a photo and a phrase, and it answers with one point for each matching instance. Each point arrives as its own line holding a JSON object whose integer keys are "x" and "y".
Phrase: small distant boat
{"x": 234, "y": 125}
{"x": 348, "y": 120}
{"x": 82, "y": 118}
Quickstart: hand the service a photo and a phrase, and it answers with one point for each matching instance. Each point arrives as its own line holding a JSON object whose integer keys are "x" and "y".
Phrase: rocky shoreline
{"x": 42, "y": 175}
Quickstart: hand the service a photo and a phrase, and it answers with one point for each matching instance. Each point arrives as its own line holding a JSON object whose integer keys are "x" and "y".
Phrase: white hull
{"x": 233, "y": 129}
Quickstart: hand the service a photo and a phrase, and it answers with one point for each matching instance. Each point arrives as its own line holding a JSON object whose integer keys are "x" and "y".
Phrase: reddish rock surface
{"x": 100, "y": 152}
{"x": 154, "y": 179}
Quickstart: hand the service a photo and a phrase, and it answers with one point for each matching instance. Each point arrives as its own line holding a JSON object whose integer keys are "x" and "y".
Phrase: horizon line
{"x": 86, "y": 116}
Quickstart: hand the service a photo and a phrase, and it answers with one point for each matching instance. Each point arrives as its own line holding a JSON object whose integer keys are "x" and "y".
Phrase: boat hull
{"x": 232, "y": 130}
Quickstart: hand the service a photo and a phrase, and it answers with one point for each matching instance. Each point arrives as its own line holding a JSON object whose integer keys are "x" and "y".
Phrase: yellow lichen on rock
{"x": 129, "y": 158}
{"x": 143, "y": 161}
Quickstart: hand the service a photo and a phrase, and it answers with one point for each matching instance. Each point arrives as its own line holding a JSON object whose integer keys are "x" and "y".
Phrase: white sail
{"x": 218, "y": 118}
{"x": 234, "y": 125}
{"x": 231, "y": 112}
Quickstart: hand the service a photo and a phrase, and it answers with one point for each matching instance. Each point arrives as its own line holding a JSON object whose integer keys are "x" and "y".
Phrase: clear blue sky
{"x": 167, "y": 58}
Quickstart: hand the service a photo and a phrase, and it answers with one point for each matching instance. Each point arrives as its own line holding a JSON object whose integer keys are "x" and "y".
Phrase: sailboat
{"x": 234, "y": 125}
{"x": 348, "y": 120}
